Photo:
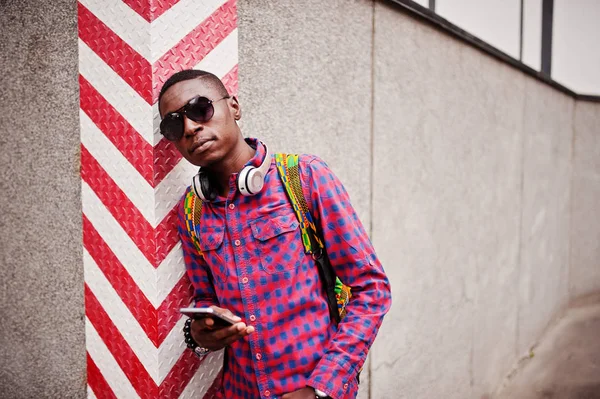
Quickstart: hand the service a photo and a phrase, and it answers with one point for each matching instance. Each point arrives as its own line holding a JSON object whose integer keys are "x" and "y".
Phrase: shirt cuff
{"x": 335, "y": 377}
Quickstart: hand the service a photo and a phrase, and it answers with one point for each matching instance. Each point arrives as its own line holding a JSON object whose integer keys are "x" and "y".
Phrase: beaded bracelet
{"x": 189, "y": 340}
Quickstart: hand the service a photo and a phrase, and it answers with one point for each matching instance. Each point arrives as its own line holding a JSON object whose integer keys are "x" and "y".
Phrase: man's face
{"x": 203, "y": 144}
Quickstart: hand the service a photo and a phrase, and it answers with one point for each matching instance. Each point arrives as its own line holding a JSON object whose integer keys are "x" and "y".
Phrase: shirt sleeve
{"x": 197, "y": 269}
{"x": 355, "y": 263}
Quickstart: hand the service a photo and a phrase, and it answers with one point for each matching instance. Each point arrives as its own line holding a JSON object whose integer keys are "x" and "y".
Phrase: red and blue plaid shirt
{"x": 254, "y": 264}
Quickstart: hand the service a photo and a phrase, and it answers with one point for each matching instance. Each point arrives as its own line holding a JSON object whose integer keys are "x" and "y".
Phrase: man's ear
{"x": 235, "y": 108}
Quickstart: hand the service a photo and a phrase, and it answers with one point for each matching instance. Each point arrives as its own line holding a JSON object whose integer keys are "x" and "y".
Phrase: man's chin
{"x": 202, "y": 161}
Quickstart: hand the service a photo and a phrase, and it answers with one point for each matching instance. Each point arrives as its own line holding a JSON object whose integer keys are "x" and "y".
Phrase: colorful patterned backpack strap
{"x": 192, "y": 208}
{"x": 287, "y": 166}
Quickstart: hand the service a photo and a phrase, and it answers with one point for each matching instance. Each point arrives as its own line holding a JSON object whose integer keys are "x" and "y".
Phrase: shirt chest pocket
{"x": 211, "y": 244}
{"x": 278, "y": 243}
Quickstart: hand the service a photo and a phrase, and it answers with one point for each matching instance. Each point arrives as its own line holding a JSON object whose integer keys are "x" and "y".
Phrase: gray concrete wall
{"x": 42, "y": 348}
{"x": 459, "y": 165}
{"x": 470, "y": 165}
{"x": 545, "y": 237}
{"x": 305, "y": 82}
{"x": 305, "y": 86}
{"x": 447, "y": 208}
{"x": 585, "y": 205}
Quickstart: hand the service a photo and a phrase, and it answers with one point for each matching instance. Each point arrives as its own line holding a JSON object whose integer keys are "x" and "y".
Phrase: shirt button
{"x": 237, "y": 243}
{"x": 258, "y": 356}
{"x": 252, "y": 317}
{"x": 345, "y": 386}
{"x": 245, "y": 280}
{"x": 231, "y": 206}
{"x": 267, "y": 393}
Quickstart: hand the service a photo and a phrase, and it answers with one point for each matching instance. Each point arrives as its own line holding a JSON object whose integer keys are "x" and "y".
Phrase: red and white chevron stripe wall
{"x": 132, "y": 180}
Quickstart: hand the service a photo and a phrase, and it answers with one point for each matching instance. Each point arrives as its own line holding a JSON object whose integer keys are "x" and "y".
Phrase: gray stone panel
{"x": 585, "y": 227}
{"x": 447, "y": 193}
{"x": 305, "y": 83}
{"x": 544, "y": 269}
{"x": 494, "y": 108}
{"x": 42, "y": 330}
{"x": 305, "y": 87}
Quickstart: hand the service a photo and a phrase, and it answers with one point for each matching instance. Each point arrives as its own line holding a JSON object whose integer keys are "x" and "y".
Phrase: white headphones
{"x": 250, "y": 180}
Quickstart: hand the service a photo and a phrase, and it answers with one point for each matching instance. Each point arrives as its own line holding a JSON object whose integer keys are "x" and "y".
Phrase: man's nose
{"x": 190, "y": 127}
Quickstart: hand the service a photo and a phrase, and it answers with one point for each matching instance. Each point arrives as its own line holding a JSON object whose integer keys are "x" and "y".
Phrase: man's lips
{"x": 199, "y": 145}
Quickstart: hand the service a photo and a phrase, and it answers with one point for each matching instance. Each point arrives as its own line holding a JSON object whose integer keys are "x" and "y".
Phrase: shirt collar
{"x": 259, "y": 155}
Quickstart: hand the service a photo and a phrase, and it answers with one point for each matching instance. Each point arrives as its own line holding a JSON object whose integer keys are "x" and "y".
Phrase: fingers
{"x": 204, "y": 324}
{"x": 210, "y": 323}
{"x": 220, "y": 338}
{"x": 227, "y": 312}
{"x": 206, "y": 336}
{"x": 231, "y": 333}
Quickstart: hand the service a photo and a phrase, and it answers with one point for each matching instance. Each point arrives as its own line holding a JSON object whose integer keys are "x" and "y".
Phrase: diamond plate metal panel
{"x": 135, "y": 280}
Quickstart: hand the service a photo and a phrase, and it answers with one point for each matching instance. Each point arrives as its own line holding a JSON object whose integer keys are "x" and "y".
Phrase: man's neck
{"x": 234, "y": 162}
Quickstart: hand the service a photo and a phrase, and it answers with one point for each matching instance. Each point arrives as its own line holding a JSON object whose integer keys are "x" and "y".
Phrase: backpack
{"x": 336, "y": 292}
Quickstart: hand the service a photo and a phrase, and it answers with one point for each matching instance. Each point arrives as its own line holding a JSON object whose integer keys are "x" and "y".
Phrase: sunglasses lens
{"x": 172, "y": 127}
{"x": 199, "y": 109}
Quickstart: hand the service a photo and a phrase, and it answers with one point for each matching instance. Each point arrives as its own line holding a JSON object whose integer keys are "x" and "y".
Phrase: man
{"x": 253, "y": 266}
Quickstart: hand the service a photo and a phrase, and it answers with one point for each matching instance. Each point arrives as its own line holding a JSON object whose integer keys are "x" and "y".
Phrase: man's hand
{"x": 204, "y": 333}
{"x": 304, "y": 393}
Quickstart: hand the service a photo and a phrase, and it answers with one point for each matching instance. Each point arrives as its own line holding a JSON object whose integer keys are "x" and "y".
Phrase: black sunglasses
{"x": 199, "y": 109}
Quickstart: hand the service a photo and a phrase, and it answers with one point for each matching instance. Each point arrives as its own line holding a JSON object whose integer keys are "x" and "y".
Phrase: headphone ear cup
{"x": 202, "y": 187}
{"x": 250, "y": 181}
{"x": 197, "y": 187}
{"x": 242, "y": 179}
{"x": 255, "y": 180}
{"x": 207, "y": 189}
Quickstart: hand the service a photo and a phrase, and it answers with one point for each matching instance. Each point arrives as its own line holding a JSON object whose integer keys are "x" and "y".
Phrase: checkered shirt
{"x": 254, "y": 264}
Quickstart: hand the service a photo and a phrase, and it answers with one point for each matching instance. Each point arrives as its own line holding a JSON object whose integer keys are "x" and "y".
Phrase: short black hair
{"x": 188, "y": 74}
